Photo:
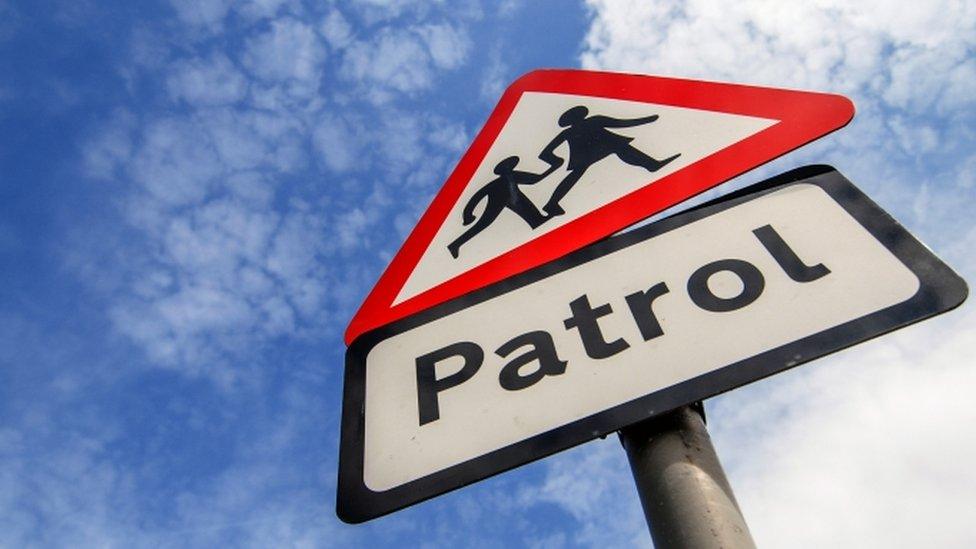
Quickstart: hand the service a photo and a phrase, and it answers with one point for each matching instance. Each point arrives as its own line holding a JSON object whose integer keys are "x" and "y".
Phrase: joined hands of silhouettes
{"x": 588, "y": 140}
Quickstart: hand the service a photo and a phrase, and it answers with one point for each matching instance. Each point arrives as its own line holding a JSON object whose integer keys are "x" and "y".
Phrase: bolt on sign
{"x": 702, "y": 302}
{"x": 569, "y": 157}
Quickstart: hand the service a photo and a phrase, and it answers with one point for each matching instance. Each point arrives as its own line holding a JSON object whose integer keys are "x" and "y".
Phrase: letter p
{"x": 427, "y": 383}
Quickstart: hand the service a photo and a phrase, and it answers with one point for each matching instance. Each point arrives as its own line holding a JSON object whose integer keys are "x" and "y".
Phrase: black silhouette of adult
{"x": 500, "y": 193}
{"x": 589, "y": 142}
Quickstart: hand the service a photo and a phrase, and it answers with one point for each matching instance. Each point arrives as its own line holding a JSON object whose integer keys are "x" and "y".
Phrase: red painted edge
{"x": 803, "y": 117}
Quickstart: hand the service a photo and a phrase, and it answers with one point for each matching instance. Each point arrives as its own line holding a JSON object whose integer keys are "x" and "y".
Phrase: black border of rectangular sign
{"x": 940, "y": 290}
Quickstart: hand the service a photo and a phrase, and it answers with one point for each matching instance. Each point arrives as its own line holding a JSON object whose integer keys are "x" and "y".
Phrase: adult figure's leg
{"x": 552, "y": 206}
{"x": 635, "y": 157}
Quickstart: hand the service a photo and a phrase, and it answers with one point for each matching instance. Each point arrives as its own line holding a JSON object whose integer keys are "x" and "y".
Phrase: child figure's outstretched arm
{"x": 527, "y": 178}
{"x": 467, "y": 216}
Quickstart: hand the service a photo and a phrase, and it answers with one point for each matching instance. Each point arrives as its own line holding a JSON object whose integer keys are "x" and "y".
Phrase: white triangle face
{"x": 619, "y": 169}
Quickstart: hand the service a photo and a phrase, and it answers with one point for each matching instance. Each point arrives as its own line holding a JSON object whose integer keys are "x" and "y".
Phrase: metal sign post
{"x": 687, "y": 500}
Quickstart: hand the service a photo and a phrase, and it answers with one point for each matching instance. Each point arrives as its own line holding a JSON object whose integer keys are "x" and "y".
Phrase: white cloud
{"x": 404, "y": 59}
{"x": 336, "y": 29}
{"x": 594, "y": 485}
{"x": 241, "y": 233}
{"x": 494, "y": 78}
{"x": 289, "y": 50}
{"x": 212, "y": 81}
{"x": 373, "y": 12}
{"x": 508, "y": 8}
{"x": 245, "y": 140}
{"x": 915, "y": 137}
{"x": 966, "y": 177}
{"x": 176, "y": 163}
{"x": 837, "y": 46}
{"x": 217, "y": 236}
{"x": 74, "y": 493}
{"x": 446, "y": 135}
{"x": 339, "y": 143}
{"x": 108, "y": 151}
{"x": 864, "y": 450}
{"x": 224, "y": 269}
{"x": 205, "y": 13}
{"x": 397, "y": 59}
{"x": 260, "y": 9}
{"x": 225, "y": 272}
{"x": 448, "y": 46}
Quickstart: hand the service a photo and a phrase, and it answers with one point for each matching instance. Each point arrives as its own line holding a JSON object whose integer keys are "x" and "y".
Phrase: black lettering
{"x": 427, "y": 383}
{"x": 543, "y": 351}
{"x": 584, "y": 319}
{"x": 752, "y": 285}
{"x": 640, "y": 304}
{"x": 787, "y": 258}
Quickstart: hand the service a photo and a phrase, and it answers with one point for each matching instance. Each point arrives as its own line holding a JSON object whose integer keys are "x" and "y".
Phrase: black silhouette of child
{"x": 589, "y": 142}
{"x": 501, "y": 192}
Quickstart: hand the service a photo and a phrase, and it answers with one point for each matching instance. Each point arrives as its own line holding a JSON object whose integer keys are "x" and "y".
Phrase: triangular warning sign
{"x": 568, "y": 157}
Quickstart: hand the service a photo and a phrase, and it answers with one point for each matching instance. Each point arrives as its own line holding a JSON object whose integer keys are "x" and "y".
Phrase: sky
{"x": 196, "y": 195}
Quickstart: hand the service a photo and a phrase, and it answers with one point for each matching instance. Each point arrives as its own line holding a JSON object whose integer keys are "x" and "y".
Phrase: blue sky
{"x": 197, "y": 194}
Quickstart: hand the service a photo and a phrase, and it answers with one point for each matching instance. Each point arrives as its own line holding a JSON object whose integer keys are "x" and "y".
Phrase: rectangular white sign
{"x": 596, "y": 341}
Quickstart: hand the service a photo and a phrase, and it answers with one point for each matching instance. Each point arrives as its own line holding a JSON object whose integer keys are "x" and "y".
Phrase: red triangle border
{"x": 803, "y": 117}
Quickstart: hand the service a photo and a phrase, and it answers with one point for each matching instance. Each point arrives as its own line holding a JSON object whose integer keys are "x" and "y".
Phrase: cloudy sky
{"x": 197, "y": 194}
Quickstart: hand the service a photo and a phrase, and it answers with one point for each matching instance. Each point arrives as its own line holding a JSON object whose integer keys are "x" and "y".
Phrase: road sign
{"x": 569, "y": 157}
{"x": 671, "y": 313}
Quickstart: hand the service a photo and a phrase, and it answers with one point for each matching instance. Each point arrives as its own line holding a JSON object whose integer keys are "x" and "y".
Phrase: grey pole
{"x": 686, "y": 497}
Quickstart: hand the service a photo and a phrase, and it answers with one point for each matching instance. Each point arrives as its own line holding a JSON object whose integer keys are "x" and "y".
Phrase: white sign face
{"x": 479, "y": 415}
{"x": 679, "y": 136}
{"x": 644, "y": 322}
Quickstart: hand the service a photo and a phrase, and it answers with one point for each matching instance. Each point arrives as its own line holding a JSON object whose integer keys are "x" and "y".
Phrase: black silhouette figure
{"x": 589, "y": 142}
{"x": 501, "y": 192}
